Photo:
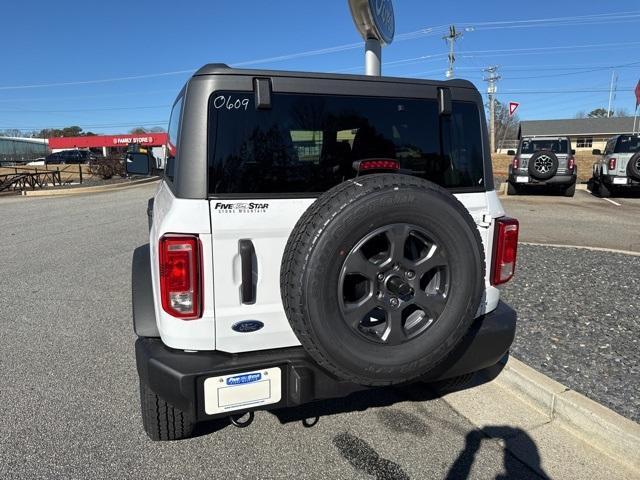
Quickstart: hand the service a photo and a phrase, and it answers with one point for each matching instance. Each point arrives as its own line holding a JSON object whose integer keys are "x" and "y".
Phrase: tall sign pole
{"x": 376, "y": 22}
{"x": 635, "y": 115}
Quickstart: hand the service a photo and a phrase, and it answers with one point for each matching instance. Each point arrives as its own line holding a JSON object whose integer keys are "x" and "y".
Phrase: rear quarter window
{"x": 628, "y": 145}
{"x": 172, "y": 142}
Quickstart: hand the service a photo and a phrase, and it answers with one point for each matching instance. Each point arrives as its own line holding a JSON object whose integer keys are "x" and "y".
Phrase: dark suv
{"x": 70, "y": 156}
{"x": 543, "y": 162}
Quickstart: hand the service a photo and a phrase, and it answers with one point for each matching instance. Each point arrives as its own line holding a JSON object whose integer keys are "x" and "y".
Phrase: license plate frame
{"x": 242, "y": 390}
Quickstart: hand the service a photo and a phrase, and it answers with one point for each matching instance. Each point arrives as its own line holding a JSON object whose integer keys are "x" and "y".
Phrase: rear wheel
{"x": 570, "y": 190}
{"x": 603, "y": 190}
{"x": 633, "y": 167}
{"x": 161, "y": 420}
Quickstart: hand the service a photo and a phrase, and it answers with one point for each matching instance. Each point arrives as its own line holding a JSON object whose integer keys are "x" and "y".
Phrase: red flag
{"x": 638, "y": 94}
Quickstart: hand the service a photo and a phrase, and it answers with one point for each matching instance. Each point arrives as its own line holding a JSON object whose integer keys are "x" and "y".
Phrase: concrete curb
{"x": 616, "y": 436}
{"x": 583, "y": 247}
{"x": 89, "y": 190}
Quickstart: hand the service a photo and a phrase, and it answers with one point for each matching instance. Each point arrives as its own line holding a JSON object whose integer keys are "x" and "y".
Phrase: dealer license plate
{"x": 242, "y": 391}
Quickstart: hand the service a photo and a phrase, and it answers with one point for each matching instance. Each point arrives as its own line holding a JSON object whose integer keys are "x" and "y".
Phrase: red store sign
{"x": 97, "y": 141}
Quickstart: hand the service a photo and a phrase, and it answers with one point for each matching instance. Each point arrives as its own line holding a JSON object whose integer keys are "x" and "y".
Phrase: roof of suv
{"x": 222, "y": 69}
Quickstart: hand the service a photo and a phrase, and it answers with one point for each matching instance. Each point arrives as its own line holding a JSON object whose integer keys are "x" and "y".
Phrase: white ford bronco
{"x": 314, "y": 235}
{"x": 617, "y": 170}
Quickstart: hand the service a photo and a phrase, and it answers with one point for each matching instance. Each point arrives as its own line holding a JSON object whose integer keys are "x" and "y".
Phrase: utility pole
{"x": 612, "y": 90}
{"x": 492, "y": 78}
{"x": 451, "y": 40}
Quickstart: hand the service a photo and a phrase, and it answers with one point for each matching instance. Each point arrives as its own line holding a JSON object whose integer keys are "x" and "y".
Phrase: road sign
{"x": 513, "y": 106}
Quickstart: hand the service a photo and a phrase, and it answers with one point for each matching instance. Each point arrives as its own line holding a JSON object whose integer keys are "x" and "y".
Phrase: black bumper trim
{"x": 178, "y": 376}
{"x": 556, "y": 180}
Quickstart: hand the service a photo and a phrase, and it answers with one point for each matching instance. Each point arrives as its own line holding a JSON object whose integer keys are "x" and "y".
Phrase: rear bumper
{"x": 178, "y": 377}
{"x": 557, "y": 180}
{"x": 609, "y": 181}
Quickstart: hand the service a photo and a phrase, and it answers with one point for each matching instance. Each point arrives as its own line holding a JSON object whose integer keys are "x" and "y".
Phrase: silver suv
{"x": 543, "y": 161}
{"x": 618, "y": 168}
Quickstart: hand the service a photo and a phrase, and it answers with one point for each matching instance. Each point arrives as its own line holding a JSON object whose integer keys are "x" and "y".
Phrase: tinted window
{"x": 556, "y": 146}
{"x": 172, "y": 145}
{"x": 308, "y": 143}
{"x": 628, "y": 144}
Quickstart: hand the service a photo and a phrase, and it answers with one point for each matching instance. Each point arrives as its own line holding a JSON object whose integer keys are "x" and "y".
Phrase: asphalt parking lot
{"x": 70, "y": 394}
{"x": 582, "y": 220}
{"x": 69, "y": 386}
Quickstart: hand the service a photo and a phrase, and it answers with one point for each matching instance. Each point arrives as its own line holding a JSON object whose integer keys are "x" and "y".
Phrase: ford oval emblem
{"x": 247, "y": 326}
{"x": 383, "y": 19}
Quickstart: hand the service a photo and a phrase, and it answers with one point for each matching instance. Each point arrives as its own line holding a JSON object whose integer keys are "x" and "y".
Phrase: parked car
{"x": 313, "y": 235}
{"x": 618, "y": 168}
{"x": 70, "y": 156}
{"x": 543, "y": 162}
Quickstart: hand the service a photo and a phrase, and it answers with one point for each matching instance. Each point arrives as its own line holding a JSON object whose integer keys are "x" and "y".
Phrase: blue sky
{"x": 52, "y": 43}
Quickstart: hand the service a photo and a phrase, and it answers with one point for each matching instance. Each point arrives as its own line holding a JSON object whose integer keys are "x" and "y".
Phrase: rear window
{"x": 556, "y": 146}
{"x": 628, "y": 145}
{"x": 308, "y": 143}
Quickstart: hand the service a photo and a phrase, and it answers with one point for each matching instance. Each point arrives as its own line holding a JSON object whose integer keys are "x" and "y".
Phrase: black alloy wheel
{"x": 394, "y": 284}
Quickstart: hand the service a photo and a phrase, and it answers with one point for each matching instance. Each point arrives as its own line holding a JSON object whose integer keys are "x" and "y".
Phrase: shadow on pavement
{"x": 364, "y": 458}
{"x": 513, "y": 438}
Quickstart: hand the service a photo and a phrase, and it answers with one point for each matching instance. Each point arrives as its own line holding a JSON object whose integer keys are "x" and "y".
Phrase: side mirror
{"x": 137, "y": 164}
{"x": 596, "y": 151}
{"x": 511, "y": 152}
{"x": 573, "y": 152}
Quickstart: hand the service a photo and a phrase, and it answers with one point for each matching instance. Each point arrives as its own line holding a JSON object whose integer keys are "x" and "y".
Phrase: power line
{"x": 88, "y": 109}
{"x": 608, "y": 67}
{"x": 545, "y": 92}
{"x": 423, "y": 32}
{"x": 111, "y": 125}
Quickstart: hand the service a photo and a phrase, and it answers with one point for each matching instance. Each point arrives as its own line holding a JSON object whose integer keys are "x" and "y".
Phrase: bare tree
{"x": 506, "y": 126}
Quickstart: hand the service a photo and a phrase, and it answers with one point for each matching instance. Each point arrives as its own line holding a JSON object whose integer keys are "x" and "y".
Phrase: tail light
{"x": 376, "y": 164}
{"x": 515, "y": 163}
{"x": 571, "y": 163}
{"x": 181, "y": 276}
{"x": 612, "y": 164}
{"x": 505, "y": 248}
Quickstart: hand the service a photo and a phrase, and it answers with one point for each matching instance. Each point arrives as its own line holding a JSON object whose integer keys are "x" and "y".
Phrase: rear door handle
{"x": 247, "y": 254}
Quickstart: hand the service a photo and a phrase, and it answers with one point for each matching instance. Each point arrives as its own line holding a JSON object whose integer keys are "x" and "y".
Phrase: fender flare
{"x": 144, "y": 315}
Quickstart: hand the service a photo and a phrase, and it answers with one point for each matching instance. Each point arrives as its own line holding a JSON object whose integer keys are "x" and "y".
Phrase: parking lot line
{"x": 611, "y": 201}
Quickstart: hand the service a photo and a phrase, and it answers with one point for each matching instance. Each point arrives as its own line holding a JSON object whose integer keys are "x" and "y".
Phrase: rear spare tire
{"x": 543, "y": 165}
{"x": 381, "y": 277}
{"x": 633, "y": 167}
